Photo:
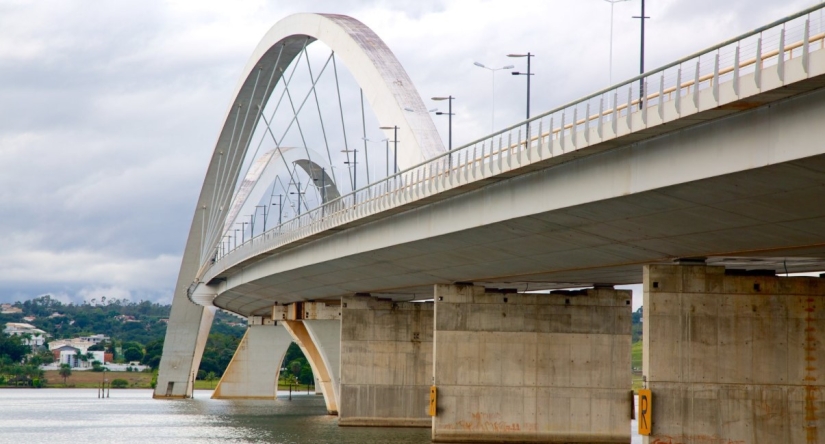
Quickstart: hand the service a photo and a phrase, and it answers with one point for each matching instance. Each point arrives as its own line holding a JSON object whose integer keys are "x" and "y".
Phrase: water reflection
{"x": 77, "y": 416}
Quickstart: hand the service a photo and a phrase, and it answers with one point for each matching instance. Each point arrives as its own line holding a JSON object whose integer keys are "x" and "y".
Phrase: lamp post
{"x": 280, "y": 205}
{"x": 298, "y": 193}
{"x": 642, "y": 18}
{"x": 493, "y": 76}
{"x": 354, "y": 164}
{"x": 450, "y": 114}
{"x": 528, "y": 74}
{"x": 243, "y": 231}
{"x": 264, "y": 211}
{"x": 236, "y": 237}
{"x": 610, "y": 69}
{"x": 395, "y": 142}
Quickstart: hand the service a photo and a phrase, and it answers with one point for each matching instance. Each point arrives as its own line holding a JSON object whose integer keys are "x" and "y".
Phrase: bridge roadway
{"x": 695, "y": 192}
{"x": 719, "y": 182}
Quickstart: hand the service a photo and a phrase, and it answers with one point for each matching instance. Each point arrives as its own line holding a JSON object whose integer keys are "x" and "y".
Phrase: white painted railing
{"x": 687, "y": 86}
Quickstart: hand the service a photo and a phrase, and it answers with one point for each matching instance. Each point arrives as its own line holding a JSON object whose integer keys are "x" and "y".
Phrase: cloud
{"x": 109, "y": 110}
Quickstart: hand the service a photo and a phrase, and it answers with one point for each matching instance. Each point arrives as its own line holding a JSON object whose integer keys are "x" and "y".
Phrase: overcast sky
{"x": 109, "y": 110}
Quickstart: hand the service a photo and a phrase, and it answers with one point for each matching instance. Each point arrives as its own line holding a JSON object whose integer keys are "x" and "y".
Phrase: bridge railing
{"x": 563, "y": 130}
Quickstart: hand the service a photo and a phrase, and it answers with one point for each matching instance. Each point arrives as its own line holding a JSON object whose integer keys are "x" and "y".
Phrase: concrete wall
{"x": 254, "y": 369}
{"x": 734, "y": 359}
{"x": 386, "y": 362}
{"x": 532, "y": 368}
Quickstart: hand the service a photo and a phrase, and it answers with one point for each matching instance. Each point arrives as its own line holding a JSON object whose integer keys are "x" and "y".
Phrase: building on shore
{"x": 32, "y": 336}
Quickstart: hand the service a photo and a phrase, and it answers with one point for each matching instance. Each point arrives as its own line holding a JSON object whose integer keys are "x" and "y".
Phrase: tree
{"x": 65, "y": 371}
{"x": 13, "y": 347}
{"x": 132, "y": 354}
{"x": 153, "y": 351}
{"x": 120, "y": 383}
{"x": 295, "y": 367}
{"x": 211, "y": 377}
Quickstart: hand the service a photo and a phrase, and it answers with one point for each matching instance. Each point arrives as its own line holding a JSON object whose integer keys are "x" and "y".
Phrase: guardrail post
{"x": 587, "y": 123}
{"x": 736, "y": 71}
{"x": 780, "y": 60}
{"x": 573, "y": 127}
{"x": 805, "y": 43}
{"x": 510, "y": 150}
{"x": 757, "y": 75}
{"x": 643, "y": 103}
{"x": 561, "y": 130}
{"x": 627, "y": 109}
{"x": 541, "y": 135}
{"x": 599, "y": 122}
{"x": 662, "y": 97}
{"x": 679, "y": 91}
{"x": 696, "y": 87}
{"x": 500, "y": 153}
{"x": 614, "y": 118}
{"x": 550, "y": 138}
{"x": 716, "y": 78}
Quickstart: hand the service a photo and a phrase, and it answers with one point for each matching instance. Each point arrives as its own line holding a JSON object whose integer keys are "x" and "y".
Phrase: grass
{"x": 636, "y": 363}
{"x": 636, "y": 355}
{"x": 210, "y": 385}
{"x": 89, "y": 379}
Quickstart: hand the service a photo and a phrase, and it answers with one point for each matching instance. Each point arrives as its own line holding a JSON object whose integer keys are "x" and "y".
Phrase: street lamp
{"x": 528, "y": 74}
{"x": 299, "y": 193}
{"x": 280, "y": 205}
{"x": 642, "y": 18}
{"x": 243, "y": 231}
{"x": 450, "y": 115}
{"x": 395, "y": 142}
{"x": 354, "y": 164}
{"x": 264, "y": 211}
{"x": 493, "y": 76}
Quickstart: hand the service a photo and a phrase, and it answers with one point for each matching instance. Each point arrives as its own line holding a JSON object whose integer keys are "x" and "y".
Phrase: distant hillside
{"x": 142, "y": 322}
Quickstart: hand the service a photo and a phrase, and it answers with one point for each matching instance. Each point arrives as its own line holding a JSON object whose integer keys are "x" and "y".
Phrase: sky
{"x": 109, "y": 111}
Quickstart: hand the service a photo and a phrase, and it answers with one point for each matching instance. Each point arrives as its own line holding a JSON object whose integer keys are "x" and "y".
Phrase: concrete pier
{"x": 316, "y": 328}
{"x": 734, "y": 359}
{"x": 185, "y": 339}
{"x": 255, "y": 367}
{"x": 386, "y": 362}
{"x": 532, "y": 367}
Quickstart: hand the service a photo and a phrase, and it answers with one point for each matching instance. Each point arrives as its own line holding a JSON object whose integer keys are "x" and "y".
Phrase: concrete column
{"x": 316, "y": 328}
{"x": 254, "y": 369}
{"x": 734, "y": 359}
{"x": 186, "y": 335}
{"x": 386, "y": 362}
{"x": 532, "y": 367}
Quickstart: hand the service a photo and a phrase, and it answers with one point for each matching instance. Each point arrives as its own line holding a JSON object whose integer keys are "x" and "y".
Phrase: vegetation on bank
{"x": 137, "y": 331}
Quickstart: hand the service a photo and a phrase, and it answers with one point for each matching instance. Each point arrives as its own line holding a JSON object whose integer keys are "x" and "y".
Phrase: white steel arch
{"x": 387, "y": 88}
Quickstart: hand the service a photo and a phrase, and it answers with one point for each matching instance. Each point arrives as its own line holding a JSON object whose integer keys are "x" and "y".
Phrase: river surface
{"x": 77, "y": 416}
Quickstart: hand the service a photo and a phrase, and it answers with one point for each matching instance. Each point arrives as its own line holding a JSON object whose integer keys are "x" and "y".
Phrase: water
{"x": 77, "y": 416}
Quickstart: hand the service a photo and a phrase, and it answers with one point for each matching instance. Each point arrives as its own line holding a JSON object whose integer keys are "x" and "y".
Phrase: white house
{"x": 32, "y": 336}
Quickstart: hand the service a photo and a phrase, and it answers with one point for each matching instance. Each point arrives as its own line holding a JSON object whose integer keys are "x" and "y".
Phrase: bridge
{"x": 438, "y": 294}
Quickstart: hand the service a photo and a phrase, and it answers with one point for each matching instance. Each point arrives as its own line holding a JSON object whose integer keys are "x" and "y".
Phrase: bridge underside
{"x": 747, "y": 192}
